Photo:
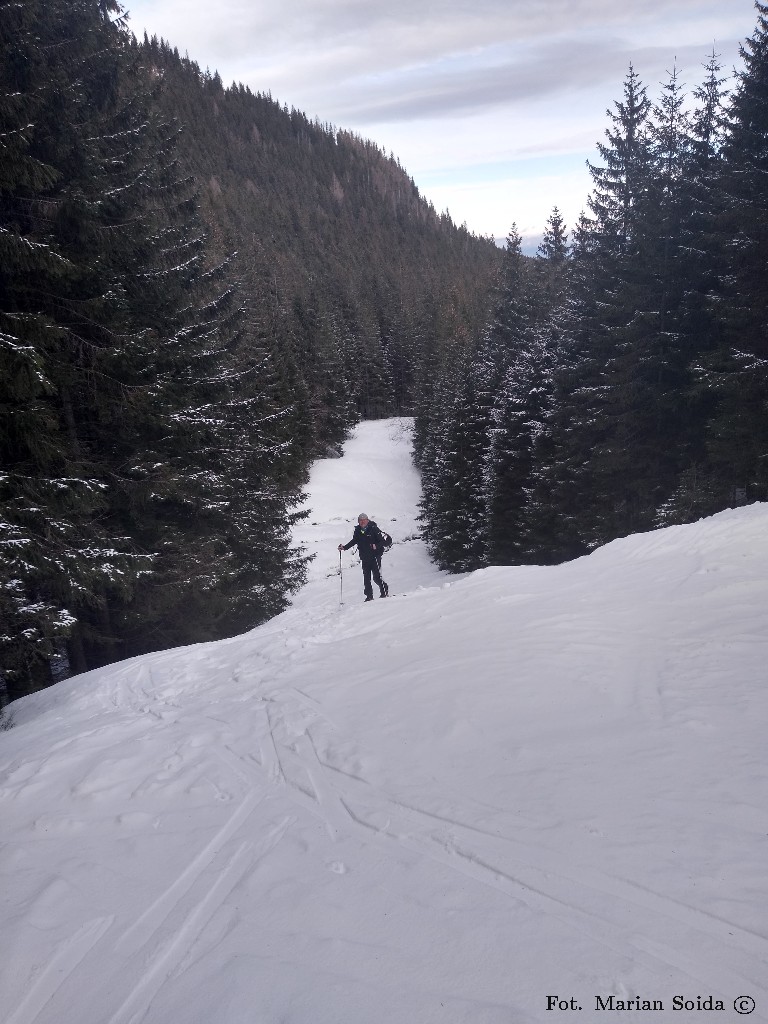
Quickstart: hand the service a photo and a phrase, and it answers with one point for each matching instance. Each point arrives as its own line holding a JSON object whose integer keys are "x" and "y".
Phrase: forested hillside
{"x": 622, "y": 382}
{"x": 199, "y": 291}
{"x": 352, "y": 268}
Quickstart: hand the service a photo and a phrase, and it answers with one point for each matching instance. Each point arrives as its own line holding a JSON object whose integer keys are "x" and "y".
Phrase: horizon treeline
{"x": 621, "y": 383}
{"x": 200, "y": 292}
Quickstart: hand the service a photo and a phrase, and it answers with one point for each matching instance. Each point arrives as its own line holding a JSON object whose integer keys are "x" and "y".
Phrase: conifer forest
{"x": 202, "y": 291}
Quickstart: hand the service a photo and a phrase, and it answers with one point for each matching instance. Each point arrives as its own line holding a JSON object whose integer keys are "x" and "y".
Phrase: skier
{"x": 370, "y": 546}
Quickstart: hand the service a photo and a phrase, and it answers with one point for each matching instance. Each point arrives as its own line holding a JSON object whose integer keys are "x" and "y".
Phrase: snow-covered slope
{"x": 450, "y": 806}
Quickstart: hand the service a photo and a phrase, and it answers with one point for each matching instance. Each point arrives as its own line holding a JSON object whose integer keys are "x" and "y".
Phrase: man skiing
{"x": 370, "y": 546}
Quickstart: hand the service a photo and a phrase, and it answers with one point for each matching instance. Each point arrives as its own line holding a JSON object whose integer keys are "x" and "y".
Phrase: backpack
{"x": 386, "y": 540}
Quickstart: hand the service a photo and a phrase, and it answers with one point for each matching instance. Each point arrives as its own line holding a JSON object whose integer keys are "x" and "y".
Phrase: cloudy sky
{"x": 492, "y": 106}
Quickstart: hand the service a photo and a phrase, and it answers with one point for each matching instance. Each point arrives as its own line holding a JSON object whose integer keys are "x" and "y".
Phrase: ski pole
{"x": 341, "y": 582}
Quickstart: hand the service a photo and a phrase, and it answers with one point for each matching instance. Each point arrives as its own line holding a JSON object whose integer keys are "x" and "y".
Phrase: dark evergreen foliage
{"x": 634, "y": 389}
{"x": 736, "y": 374}
{"x": 57, "y": 318}
{"x": 477, "y": 474}
{"x": 453, "y": 503}
{"x": 348, "y": 245}
{"x": 198, "y": 294}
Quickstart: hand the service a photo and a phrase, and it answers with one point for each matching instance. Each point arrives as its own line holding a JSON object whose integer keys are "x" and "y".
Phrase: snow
{"x": 450, "y": 806}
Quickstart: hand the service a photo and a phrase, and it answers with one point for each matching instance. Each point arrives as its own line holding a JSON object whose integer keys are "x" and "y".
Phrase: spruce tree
{"x": 620, "y": 181}
{"x": 144, "y": 436}
{"x": 517, "y": 523}
{"x": 453, "y": 505}
{"x": 552, "y": 262}
{"x": 617, "y": 443}
{"x": 588, "y": 472}
{"x": 517, "y": 342}
{"x": 737, "y": 374}
{"x": 650, "y": 370}
{"x": 702, "y": 260}
{"x": 57, "y": 81}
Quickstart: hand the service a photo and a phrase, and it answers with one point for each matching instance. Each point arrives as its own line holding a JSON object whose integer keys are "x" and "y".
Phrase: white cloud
{"x": 491, "y": 208}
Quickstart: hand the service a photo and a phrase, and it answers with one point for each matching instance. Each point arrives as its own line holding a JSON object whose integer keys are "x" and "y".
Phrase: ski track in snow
{"x": 244, "y": 860}
{"x": 176, "y": 810}
{"x": 64, "y": 961}
{"x": 345, "y": 808}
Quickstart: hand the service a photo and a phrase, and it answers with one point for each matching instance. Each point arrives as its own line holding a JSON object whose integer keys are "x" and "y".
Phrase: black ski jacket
{"x": 370, "y": 543}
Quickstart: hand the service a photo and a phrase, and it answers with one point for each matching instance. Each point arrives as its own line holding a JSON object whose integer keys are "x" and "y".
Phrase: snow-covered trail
{"x": 375, "y": 476}
{"x": 443, "y": 807}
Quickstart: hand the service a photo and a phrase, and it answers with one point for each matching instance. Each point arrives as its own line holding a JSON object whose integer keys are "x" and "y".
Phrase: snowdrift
{"x": 472, "y": 802}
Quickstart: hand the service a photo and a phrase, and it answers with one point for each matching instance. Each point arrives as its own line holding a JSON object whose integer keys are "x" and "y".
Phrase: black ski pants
{"x": 371, "y": 568}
